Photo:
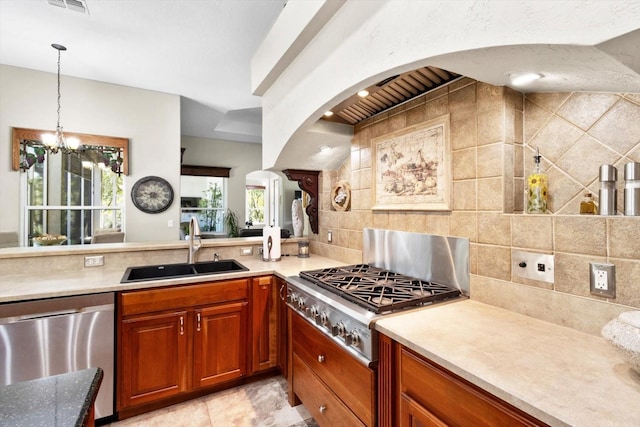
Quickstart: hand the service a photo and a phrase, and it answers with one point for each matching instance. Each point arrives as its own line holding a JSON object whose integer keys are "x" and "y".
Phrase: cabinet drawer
{"x": 159, "y": 299}
{"x": 326, "y": 408}
{"x": 451, "y": 399}
{"x": 351, "y": 381}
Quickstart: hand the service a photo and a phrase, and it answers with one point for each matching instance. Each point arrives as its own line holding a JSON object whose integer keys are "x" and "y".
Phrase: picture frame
{"x": 412, "y": 168}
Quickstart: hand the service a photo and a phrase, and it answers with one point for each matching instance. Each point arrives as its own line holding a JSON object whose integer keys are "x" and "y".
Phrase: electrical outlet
{"x": 246, "y": 251}
{"x": 329, "y": 236}
{"x": 603, "y": 279}
{"x": 94, "y": 261}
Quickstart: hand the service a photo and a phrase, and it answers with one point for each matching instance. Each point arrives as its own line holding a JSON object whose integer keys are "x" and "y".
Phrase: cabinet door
{"x": 154, "y": 352}
{"x": 281, "y": 333}
{"x": 412, "y": 414}
{"x": 219, "y": 344}
{"x": 264, "y": 324}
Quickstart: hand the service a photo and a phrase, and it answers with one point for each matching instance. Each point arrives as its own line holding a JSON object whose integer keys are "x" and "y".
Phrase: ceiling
{"x": 202, "y": 51}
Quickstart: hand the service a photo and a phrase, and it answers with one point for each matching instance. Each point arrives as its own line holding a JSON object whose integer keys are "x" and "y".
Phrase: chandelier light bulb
{"x": 73, "y": 143}
{"x": 49, "y": 140}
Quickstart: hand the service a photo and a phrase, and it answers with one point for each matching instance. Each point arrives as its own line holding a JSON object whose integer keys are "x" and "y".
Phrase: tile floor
{"x": 260, "y": 404}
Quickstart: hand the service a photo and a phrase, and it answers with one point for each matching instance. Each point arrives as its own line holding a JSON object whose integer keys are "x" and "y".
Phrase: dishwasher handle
{"x": 55, "y": 313}
{"x": 36, "y": 316}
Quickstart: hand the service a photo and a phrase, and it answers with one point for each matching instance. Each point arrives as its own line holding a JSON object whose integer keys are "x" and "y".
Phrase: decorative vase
{"x": 297, "y": 218}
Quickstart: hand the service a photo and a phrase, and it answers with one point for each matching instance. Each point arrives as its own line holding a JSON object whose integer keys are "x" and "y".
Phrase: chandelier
{"x": 57, "y": 142}
{"x": 33, "y": 151}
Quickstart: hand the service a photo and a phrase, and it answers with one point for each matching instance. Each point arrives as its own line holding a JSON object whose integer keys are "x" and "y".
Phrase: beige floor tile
{"x": 260, "y": 404}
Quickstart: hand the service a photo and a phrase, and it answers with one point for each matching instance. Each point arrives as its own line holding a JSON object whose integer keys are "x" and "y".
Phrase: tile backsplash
{"x": 494, "y": 132}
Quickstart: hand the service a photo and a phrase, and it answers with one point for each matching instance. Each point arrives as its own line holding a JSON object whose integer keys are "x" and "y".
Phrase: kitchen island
{"x": 64, "y": 400}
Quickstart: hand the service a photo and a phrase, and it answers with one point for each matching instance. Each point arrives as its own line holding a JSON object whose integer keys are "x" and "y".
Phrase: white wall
{"x": 151, "y": 121}
{"x": 241, "y": 157}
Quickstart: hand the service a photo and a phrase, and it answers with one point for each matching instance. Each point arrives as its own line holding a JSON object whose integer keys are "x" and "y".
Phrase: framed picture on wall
{"x": 412, "y": 168}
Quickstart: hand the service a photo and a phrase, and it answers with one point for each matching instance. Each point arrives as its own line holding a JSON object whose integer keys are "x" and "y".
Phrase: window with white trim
{"x": 71, "y": 195}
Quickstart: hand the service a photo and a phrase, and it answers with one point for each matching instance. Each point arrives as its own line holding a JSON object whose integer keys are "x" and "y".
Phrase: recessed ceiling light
{"x": 328, "y": 113}
{"x": 520, "y": 79}
{"x": 324, "y": 148}
{"x": 363, "y": 93}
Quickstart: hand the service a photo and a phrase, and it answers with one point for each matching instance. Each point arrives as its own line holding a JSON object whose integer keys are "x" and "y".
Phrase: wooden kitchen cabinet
{"x": 154, "y": 349}
{"x": 328, "y": 380}
{"x": 219, "y": 344}
{"x": 282, "y": 335}
{"x": 176, "y": 340}
{"x": 264, "y": 323}
{"x": 415, "y": 391}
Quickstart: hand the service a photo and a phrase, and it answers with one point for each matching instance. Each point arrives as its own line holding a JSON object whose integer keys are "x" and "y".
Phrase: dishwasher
{"x": 54, "y": 336}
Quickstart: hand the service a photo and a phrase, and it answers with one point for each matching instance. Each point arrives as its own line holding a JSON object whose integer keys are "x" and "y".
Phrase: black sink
{"x": 171, "y": 271}
{"x": 222, "y": 266}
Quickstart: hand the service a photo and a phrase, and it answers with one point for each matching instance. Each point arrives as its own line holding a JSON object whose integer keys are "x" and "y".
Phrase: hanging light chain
{"x": 58, "y": 47}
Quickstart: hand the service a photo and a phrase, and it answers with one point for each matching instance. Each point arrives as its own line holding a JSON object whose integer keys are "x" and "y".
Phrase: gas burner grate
{"x": 377, "y": 289}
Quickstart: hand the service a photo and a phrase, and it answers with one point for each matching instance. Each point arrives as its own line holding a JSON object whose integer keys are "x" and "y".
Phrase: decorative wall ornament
{"x": 412, "y": 168}
{"x": 341, "y": 196}
{"x": 152, "y": 194}
{"x": 308, "y": 182}
{"x": 297, "y": 217}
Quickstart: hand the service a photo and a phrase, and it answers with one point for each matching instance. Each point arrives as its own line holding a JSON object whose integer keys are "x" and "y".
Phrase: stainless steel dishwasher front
{"x": 53, "y": 336}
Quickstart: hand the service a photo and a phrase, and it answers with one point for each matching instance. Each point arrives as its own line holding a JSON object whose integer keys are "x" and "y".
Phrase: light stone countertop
{"x": 559, "y": 375}
{"x": 93, "y": 280}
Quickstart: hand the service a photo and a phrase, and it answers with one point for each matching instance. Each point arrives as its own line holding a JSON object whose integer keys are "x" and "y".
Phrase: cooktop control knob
{"x": 313, "y": 311}
{"x": 321, "y": 319}
{"x": 301, "y": 303}
{"x": 292, "y": 297}
{"x": 338, "y": 329}
{"x": 352, "y": 338}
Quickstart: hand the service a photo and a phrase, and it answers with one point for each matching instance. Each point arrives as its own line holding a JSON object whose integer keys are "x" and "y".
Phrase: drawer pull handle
{"x": 322, "y": 409}
{"x": 321, "y": 358}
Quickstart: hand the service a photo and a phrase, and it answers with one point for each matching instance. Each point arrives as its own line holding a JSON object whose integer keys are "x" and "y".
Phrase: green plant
{"x": 231, "y": 223}
{"x": 213, "y": 202}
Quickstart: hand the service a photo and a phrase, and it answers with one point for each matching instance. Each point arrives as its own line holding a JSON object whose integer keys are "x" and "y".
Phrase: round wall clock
{"x": 152, "y": 194}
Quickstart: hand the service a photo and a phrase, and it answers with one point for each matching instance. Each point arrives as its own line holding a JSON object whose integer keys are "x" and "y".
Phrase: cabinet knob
{"x": 321, "y": 358}
{"x": 322, "y": 409}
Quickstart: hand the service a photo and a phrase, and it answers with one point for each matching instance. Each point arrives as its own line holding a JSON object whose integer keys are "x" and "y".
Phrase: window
{"x": 72, "y": 195}
{"x": 255, "y": 204}
{"x": 204, "y": 198}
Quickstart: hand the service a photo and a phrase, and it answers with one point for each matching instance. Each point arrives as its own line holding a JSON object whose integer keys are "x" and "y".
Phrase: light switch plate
{"x": 531, "y": 265}
{"x": 246, "y": 251}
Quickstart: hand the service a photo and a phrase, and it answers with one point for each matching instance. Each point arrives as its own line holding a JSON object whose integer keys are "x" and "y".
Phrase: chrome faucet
{"x": 194, "y": 232}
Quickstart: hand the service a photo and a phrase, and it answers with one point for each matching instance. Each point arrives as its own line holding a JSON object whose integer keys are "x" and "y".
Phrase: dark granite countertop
{"x": 59, "y": 400}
